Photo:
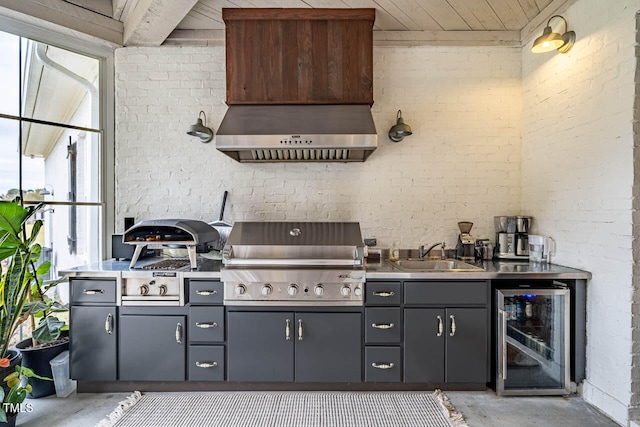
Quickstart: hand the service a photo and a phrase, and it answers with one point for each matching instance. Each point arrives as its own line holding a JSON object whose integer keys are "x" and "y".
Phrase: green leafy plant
{"x": 22, "y": 291}
{"x": 12, "y": 400}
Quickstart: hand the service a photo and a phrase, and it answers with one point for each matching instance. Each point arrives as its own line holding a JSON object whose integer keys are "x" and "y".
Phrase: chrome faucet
{"x": 422, "y": 252}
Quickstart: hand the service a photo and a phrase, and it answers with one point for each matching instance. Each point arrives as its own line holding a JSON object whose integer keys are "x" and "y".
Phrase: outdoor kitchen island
{"x": 117, "y": 345}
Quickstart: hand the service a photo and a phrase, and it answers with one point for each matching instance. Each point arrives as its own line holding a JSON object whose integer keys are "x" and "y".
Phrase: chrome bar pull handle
{"x": 206, "y": 364}
{"x": 504, "y": 348}
{"x": 207, "y": 292}
{"x": 179, "y": 333}
{"x": 108, "y": 324}
{"x": 453, "y": 325}
{"x": 93, "y": 291}
{"x": 440, "y": 327}
{"x": 299, "y": 329}
{"x": 382, "y": 325}
{"x": 384, "y": 294}
{"x": 206, "y": 325}
{"x": 383, "y": 365}
{"x": 287, "y": 330}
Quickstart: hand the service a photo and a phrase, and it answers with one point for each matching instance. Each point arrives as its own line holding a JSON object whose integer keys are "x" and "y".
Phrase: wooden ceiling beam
{"x": 446, "y": 38}
{"x": 151, "y": 21}
{"x": 66, "y": 18}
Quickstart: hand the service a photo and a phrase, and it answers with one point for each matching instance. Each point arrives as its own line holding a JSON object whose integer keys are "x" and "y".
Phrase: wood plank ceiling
{"x": 395, "y": 15}
{"x": 398, "y": 22}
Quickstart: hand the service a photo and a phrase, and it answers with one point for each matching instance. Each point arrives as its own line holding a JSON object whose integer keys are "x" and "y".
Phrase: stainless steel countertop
{"x": 208, "y": 268}
{"x": 495, "y": 269}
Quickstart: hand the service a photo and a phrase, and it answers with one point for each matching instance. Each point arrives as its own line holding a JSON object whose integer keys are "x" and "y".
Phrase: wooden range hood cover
{"x": 299, "y": 85}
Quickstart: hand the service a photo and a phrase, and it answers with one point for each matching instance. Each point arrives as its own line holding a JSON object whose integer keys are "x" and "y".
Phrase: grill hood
{"x": 297, "y": 133}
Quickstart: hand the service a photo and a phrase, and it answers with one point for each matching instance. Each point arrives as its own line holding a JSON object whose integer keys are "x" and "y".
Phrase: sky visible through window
{"x": 33, "y": 168}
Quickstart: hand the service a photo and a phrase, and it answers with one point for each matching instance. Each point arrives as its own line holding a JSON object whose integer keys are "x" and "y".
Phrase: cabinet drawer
{"x": 206, "y": 363}
{"x": 205, "y": 291}
{"x": 383, "y": 293}
{"x": 445, "y": 293}
{"x": 382, "y": 325}
{"x": 383, "y": 364}
{"x": 206, "y": 324}
{"x": 89, "y": 291}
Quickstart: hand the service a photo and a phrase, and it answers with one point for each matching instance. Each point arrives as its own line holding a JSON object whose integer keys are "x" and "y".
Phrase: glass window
{"x": 51, "y": 144}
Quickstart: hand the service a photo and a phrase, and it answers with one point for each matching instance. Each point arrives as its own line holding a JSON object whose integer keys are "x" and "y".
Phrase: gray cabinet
{"x": 93, "y": 354}
{"x": 152, "y": 348}
{"x": 445, "y": 345}
{"x": 283, "y": 347}
{"x": 328, "y": 347}
{"x": 93, "y": 329}
{"x": 260, "y": 346}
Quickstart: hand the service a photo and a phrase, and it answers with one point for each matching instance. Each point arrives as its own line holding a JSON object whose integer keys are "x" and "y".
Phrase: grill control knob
{"x": 318, "y": 290}
{"x": 240, "y": 289}
{"x": 293, "y": 290}
{"x": 345, "y": 291}
{"x": 357, "y": 291}
{"x": 266, "y": 290}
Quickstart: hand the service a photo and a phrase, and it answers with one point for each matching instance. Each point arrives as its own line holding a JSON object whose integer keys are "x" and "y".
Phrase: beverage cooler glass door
{"x": 533, "y": 342}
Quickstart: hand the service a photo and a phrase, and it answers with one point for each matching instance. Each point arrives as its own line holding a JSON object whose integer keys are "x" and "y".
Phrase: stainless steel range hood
{"x": 297, "y": 133}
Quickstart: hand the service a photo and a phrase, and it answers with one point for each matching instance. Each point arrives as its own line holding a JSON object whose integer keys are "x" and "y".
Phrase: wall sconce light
{"x": 549, "y": 40}
{"x": 400, "y": 129}
{"x": 200, "y": 130}
{"x": 45, "y": 192}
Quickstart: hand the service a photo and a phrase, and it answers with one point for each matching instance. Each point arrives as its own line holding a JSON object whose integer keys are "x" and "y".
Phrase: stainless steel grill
{"x": 294, "y": 263}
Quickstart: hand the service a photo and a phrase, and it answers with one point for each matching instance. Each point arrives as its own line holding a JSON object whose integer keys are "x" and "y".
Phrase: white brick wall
{"x": 577, "y": 178}
{"x": 461, "y": 163}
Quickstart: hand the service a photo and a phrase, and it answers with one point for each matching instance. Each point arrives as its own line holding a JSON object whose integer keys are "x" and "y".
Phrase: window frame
{"x": 106, "y": 90}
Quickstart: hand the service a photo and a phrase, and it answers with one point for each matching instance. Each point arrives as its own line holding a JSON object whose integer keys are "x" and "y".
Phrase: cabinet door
{"x": 328, "y": 347}
{"x": 424, "y": 345}
{"x": 260, "y": 346}
{"x": 94, "y": 332}
{"x": 152, "y": 348}
{"x": 467, "y": 346}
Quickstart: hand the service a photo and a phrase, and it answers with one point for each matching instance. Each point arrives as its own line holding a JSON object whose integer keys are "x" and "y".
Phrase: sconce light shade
{"x": 549, "y": 40}
{"x": 200, "y": 130}
{"x": 400, "y": 129}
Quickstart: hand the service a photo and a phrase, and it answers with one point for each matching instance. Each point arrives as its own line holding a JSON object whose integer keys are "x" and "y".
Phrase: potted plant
{"x": 49, "y": 337}
{"x": 19, "y": 253}
{"x": 14, "y": 391}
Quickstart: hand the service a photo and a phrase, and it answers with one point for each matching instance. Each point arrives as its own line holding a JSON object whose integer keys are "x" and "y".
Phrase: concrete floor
{"x": 480, "y": 409}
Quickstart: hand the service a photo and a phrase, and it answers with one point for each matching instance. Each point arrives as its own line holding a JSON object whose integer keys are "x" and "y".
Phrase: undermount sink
{"x": 435, "y": 265}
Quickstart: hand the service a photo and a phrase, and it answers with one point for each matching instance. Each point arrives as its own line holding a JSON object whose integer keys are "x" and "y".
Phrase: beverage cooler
{"x": 533, "y": 337}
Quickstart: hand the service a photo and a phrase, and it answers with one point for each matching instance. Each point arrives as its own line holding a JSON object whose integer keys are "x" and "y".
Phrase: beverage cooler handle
{"x": 503, "y": 320}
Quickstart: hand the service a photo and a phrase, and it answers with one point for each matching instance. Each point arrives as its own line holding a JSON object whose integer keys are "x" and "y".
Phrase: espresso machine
{"x": 465, "y": 249}
{"x": 512, "y": 237}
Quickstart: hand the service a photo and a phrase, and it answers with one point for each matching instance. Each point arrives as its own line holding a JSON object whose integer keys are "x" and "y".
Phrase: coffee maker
{"x": 512, "y": 237}
{"x": 465, "y": 249}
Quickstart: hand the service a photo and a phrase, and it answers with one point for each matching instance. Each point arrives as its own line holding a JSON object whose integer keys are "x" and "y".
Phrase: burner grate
{"x": 168, "y": 264}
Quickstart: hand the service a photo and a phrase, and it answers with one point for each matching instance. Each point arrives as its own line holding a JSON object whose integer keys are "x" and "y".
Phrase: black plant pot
{"x": 37, "y": 359}
{"x": 11, "y": 420}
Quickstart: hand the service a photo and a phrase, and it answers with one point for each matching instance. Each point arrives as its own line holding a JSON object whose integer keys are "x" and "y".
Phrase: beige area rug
{"x": 286, "y": 409}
